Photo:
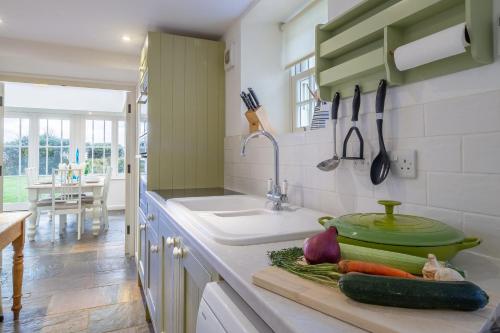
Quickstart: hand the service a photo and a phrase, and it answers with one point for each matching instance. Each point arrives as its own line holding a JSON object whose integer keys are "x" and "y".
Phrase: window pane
{"x": 121, "y": 133}
{"x": 11, "y": 131}
{"x": 53, "y": 159}
{"x": 107, "y": 131}
{"x": 65, "y": 132}
{"x": 65, "y": 155}
{"x": 24, "y": 160}
{"x": 25, "y": 131}
{"x": 107, "y": 157}
{"x": 121, "y": 166}
{"x": 42, "y": 158}
{"x": 98, "y": 132}
{"x": 98, "y": 160}
{"x": 54, "y": 132}
{"x": 88, "y": 132}
{"x": 11, "y": 161}
{"x": 88, "y": 161}
{"x": 304, "y": 92}
{"x": 304, "y": 65}
{"x": 312, "y": 62}
{"x": 121, "y": 152}
{"x": 43, "y": 132}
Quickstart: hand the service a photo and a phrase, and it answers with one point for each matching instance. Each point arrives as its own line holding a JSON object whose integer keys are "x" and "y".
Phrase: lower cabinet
{"x": 191, "y": 278}
{"x": 141, "y": 246}
{"x": 174, "y": 277}
{"x": 152, "y": 287}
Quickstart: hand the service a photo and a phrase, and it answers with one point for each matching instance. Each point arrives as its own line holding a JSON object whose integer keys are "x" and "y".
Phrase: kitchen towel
{"x": 440, "y": 45}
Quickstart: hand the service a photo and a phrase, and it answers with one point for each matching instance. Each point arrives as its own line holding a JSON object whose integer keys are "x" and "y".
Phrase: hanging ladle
{"x": 332, "y": 163}
{"x": 382, "y": 163}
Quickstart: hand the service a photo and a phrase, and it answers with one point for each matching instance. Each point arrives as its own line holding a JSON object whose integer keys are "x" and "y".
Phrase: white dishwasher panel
{"x": 222, "y": 310}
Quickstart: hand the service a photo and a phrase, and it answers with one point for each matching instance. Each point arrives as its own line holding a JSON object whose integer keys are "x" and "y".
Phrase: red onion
{"x": 322, "y": 248}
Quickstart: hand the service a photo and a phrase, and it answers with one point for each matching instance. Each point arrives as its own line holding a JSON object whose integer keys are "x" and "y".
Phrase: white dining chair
{"x": 66, "y": 197}
{"x": 101, "y": 202}
{"x": 42, "y": 204}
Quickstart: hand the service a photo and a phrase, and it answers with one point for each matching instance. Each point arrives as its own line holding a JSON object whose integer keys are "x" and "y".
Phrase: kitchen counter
{"x": 236, "y": 264}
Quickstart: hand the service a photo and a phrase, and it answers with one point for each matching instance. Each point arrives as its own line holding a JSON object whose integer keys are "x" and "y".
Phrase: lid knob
{"x": 389, "y": 205}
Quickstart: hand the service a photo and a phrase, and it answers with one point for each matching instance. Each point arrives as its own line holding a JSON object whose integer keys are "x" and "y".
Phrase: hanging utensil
{"x": 381, "y": 164}
{"x": 356, "y": 101}
{"x": 332, "y": 163}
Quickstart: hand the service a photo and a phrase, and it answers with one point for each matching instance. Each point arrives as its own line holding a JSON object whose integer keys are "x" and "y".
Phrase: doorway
{"x": 43, "y": 126}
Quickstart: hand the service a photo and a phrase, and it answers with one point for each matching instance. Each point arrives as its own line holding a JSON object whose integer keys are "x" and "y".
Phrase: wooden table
{"x": 37, "y": 189}
{"x": 12, "y": 231}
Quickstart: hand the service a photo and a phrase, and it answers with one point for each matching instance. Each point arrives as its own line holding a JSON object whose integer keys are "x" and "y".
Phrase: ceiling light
{"x": 126, "y": 38}
{"x": 1, "y": 21}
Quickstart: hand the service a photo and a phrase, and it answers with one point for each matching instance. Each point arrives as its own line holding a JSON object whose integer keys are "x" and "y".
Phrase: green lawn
{"x": 14, "y": 189}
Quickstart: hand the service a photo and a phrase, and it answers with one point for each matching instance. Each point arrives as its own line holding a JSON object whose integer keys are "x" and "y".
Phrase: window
{"x": 53, "y": 144}
{"x": 15, "y": 159}
{"x": 98, "y": 134}
{"x": 121, "y": 147}
{"x": 302, "y": 79}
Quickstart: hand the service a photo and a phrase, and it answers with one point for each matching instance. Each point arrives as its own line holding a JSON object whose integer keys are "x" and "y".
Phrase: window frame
{"x": 46, "y": 146}
{"x": 295, "y": 78}
{"x": 114, "y": 142}
{"x": 77, "y": 134}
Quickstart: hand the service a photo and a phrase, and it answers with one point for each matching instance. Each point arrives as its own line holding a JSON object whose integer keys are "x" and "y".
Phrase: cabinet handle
{"x": 170, "y": 241}
{"x": 154, "y": 248}
{"x": 142, "y": 227}
{"x": 178, "y": 252}
{"x": 151, "y": 217}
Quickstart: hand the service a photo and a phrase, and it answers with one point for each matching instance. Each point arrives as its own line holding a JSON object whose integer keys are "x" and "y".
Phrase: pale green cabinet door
{"x": 191, "y": 278}
{"x": 141, "y": 248}
{"x": 168, "y": 240}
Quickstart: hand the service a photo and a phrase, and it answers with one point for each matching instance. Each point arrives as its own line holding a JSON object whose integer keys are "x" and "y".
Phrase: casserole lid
{"x": 395, "y": 229}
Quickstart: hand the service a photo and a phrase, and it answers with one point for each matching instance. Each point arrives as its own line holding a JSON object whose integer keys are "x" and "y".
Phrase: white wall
{"x": 452, "y": 121}
{"x": 259, "y": 64}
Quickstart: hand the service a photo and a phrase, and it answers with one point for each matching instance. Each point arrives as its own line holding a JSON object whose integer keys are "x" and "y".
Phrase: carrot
{"x": 347, "y": 266}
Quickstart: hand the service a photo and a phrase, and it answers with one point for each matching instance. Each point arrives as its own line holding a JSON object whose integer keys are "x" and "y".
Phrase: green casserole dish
{"x": 401, "y": 233}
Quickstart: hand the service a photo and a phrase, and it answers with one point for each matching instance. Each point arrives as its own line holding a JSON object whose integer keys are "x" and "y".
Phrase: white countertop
{"x": 236, "y": 264}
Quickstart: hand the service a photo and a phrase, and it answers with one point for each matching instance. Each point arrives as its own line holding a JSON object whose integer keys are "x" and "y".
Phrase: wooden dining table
{"x": 36, "y": 190}
{"x": 12, "y": 231}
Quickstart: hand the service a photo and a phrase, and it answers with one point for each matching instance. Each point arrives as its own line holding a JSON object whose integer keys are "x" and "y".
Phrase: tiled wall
{"x": 456, "y": 133}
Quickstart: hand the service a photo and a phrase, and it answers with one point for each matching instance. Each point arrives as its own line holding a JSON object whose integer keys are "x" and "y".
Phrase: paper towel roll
{"x": 440, "y": 45}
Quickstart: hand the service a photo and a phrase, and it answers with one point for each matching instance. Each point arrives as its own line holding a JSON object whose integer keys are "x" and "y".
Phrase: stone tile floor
{"x": 76, "y": 286}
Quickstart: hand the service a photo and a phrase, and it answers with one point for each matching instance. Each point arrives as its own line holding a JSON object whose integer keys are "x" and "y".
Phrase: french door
{"x": 131, "y": 200}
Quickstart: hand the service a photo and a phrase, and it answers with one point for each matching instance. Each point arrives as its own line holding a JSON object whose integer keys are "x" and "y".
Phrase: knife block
{"x": 259, "y": 120}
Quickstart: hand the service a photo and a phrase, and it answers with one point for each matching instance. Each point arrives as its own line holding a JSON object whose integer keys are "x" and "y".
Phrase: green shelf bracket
{"x": 358, "y": 47}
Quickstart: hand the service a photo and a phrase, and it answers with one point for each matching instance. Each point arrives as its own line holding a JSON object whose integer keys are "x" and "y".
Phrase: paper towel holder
{"x": 358, "y": 46}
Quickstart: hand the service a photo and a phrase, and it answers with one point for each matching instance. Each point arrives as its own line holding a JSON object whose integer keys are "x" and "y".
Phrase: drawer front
{"x": 152, "y": 217}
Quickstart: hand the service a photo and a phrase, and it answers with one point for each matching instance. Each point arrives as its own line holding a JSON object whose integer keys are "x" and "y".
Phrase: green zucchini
{"x": 413, "y": 293}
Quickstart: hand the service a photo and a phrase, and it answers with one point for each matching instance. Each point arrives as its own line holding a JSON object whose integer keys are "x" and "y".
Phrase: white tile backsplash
{"x": 482, "y": 153}
{"x": 457, "y": 139}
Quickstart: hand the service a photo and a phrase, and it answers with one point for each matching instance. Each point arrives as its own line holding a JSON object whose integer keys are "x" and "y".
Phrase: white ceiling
{"x": 100, "y": 24}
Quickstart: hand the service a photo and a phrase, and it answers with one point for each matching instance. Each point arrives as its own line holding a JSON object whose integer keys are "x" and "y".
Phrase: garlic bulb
{"x": 431, "y": 267}
{"x": 447, "y": 274}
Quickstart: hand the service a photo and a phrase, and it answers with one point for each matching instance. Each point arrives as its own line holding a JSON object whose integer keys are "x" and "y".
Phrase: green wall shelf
{"x": 358, "y": 47}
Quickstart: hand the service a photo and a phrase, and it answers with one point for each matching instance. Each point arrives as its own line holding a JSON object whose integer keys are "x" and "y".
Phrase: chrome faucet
{"x": 275, "y": 192}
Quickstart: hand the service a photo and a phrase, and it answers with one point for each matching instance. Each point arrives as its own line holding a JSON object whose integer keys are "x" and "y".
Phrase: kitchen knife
{"x": 254, "y": 96}
{"x": 245, "y": 100}
{"x": 250, "y": 101}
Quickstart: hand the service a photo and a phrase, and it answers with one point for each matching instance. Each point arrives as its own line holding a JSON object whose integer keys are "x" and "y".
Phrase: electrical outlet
{"x": 404, "y": 163}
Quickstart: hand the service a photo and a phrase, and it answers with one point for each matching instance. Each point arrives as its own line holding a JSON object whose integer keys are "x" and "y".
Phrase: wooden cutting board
{"x": 373, "y": 318}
